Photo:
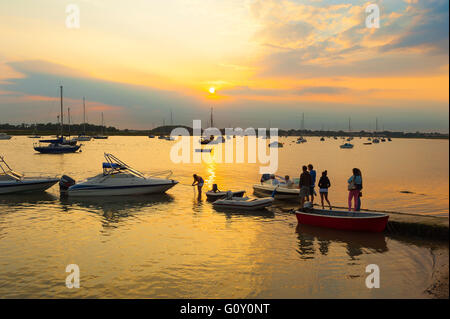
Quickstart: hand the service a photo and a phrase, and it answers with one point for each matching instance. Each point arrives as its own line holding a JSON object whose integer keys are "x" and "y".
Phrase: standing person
{"x": 198, "y": 180}
{"x": 354, "y": 188}
{"x": 312, "y": 172}
{"x": 359, "y": 186}
{"x": 324, "y": 184}
{"x": 304, "y": 185}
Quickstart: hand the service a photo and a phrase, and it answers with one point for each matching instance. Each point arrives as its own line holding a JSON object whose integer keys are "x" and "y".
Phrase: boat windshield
{"x": 6, "y": 170}
{"x": 114, "y": 166}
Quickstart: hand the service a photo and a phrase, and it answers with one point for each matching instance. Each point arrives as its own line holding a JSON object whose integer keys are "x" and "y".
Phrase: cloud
{"x": 335, "y": 42}
{"x": 128, "y": 105}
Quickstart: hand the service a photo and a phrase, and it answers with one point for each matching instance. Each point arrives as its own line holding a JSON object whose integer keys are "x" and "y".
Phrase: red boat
{"x": 344, "y": 220}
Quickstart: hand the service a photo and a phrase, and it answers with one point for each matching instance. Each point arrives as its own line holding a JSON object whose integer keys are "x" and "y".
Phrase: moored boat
{"x": 344, "y": 220}
{"x": 13, "y": 182}
{"x": 4, "y": 136}
{"x": 243, "y": 203}
{"x": 277, "y": 191}
{"x": 346, "y": 145}
{"x": 213, "y": 196}
{"x": 118, "y": 179}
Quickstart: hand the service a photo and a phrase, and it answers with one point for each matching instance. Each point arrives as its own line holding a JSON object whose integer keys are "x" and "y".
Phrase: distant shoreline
{"x": 51, "y": 129}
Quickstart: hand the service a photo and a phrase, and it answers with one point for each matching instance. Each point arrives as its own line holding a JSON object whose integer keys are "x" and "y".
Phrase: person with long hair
{"x": 324, "y": 184}
{"x": 354, "y": 188}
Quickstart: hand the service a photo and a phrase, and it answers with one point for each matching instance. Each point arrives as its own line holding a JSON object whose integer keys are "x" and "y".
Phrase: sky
{"x": 268, "y": 62}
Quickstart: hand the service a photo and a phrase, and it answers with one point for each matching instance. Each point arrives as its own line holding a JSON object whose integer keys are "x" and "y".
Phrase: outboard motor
{"x": 65, "y": 182}
{"x": 215, "y": 189}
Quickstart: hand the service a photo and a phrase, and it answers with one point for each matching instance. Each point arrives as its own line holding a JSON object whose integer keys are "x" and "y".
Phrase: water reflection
{"x": 356, "y": 243}
{"x": 114, "y": 208}
{"x": 26, "y": 199}
{"x": 229, "y": 214}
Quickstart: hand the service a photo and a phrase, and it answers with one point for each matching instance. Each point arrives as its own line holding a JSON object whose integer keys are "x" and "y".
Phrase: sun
{"x": 212, "y": 90}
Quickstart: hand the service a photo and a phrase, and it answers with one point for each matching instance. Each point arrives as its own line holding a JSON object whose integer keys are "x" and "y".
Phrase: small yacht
{"x": 301, "y": 140}
{"x": 375, "y": 140}
{"x": 60, "y": 145}
{"x": 322, "y": 139}
{"x": 4, "y": 136}
{"x": 102, "y": 136}
{"x": 151, "y": 136}
{"x": 117, "y": 179}
{"x": 346, "y": 145}
{"x": 275, "y": 144}
{"x": 13, "y": 182}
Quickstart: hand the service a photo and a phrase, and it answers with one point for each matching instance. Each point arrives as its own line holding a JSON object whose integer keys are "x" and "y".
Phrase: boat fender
{"x": 65, "y": 182}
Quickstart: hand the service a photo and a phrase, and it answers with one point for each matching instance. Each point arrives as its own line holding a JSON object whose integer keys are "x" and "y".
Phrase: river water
{"x": 177, "y": 246}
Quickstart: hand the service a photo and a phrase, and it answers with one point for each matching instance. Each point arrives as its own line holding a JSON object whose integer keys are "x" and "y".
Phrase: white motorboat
{"x": 346, "y": 145}
{"x": 13, "y": 182}
{"x": 243, "y": 203}
{"x": 213, "y": 196}
{"x": 4, "y": 136}
{"x": 117, "y": 178}
{"x": 279, "y": 191}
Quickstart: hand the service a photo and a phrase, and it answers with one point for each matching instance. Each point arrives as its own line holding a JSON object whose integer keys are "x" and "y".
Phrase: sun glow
{"x": 212, "y": 90}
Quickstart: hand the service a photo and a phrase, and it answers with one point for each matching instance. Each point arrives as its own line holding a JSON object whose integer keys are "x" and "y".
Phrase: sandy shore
{"x": 440, "y": 287}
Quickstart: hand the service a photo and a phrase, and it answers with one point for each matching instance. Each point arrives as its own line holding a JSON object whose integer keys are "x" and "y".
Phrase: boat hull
{"x": 280, "y": 193}
{"x": 27, "y": 186}
{"x": 257, "y": 204}
{"x": 344, "y": 220}
{"x": 211, "y": 196}
{"x": 102, "y": 190}
{"x": 57, "y": 150}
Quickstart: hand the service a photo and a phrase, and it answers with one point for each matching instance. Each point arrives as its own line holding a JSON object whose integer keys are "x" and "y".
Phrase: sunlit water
{"x": 177, "y": 246}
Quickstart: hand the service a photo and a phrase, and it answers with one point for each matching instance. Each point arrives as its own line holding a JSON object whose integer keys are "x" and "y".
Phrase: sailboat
{"x": 4, "y": 136}
{"x": 83, "y": 137}
{"x": 102, "y": 136}
{"x": 59, "y": 145}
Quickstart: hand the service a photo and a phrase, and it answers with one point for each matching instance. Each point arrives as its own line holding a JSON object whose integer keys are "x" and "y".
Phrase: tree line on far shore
{"x": 76, "y": 129}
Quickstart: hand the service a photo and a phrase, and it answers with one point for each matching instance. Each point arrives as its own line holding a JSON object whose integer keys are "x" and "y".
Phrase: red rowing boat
{"x": 344, "y": 220}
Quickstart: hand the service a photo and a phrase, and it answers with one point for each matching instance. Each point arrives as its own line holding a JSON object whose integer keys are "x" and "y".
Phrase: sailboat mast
{"x": 84, "y": 115}
{"x": 68, "y": 114}
{"x": 212, "y": 122}
{"x": 62, "y": 114}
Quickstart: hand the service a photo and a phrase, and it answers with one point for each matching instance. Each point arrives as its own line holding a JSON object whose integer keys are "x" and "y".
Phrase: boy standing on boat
{"x": 304, "y": 185}
{"x": 312, "y": 172}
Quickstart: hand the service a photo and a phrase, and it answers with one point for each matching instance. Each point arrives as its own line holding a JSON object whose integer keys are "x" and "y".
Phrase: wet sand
{"x": 439, "y": 289}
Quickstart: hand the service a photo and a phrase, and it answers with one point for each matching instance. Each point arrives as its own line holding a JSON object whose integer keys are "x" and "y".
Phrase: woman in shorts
{"x": 324, "y": 184}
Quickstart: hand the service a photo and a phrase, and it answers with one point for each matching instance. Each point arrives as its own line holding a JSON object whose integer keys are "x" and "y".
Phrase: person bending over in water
{"x": 304, "y": 185}
{"x": 198, "y": 180}
{"x": 324, "y": 184}
{"x": 354, "y": 188}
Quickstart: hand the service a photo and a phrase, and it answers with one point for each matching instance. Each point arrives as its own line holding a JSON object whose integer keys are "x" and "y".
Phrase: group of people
{"x": 307, "y": 184}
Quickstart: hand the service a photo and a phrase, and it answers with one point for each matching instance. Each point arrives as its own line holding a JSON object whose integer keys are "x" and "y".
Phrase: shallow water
{"x": 176, "y": 245}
